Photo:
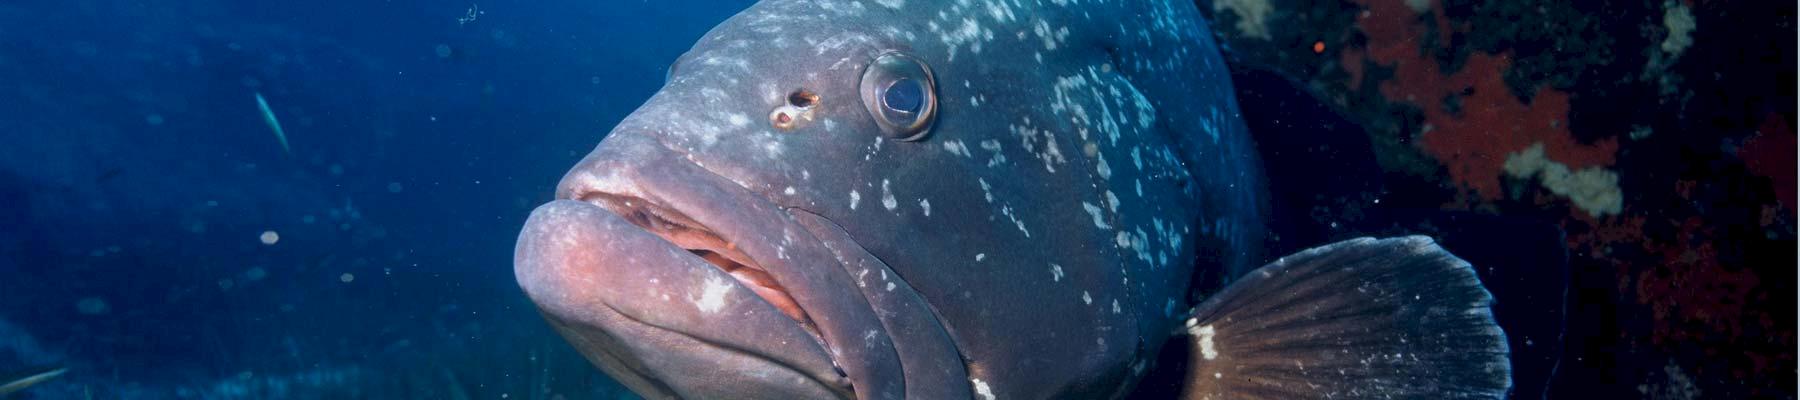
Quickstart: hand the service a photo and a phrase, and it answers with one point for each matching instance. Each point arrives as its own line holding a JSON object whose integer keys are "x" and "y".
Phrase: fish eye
{"x": 899, "y": 92}
{"x": 903, "y": 97}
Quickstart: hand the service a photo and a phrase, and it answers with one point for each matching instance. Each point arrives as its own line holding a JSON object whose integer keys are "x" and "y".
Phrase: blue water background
{"x": 137, "y": 178}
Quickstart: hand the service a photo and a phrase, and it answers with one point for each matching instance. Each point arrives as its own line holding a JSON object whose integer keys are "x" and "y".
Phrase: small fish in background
{"x": 268, "y": 115}
{"x": 471, "y": 15}
{"x": 13, "y": 382}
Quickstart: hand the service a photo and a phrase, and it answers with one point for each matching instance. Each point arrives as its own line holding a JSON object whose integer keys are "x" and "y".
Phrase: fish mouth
{"x": 653, "y": 307}
{"x": 684, "y": 232}
{"x": 683, "y": 283}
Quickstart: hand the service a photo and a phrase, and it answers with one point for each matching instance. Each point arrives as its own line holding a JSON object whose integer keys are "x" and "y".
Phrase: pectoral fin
{"x": 1391, "y": 319}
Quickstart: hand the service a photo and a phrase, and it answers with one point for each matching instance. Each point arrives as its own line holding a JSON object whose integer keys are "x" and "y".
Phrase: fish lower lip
{"x": 637, "y": 305}
{"x": 678, "y": 229}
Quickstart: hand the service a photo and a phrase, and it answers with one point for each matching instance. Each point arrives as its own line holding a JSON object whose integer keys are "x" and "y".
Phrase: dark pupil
{"x": 904, "y": 95}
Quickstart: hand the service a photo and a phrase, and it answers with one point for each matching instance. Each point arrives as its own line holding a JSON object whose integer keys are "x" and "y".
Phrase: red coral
{"x": 1691, "y": 286}
{"x": 1472, "y": 121}
{"x": 1474, "y": 140}
{"x": 1771, "y": 154}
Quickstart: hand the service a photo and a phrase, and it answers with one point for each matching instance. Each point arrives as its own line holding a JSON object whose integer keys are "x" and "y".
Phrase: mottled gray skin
{"x": 1087, "y": 160}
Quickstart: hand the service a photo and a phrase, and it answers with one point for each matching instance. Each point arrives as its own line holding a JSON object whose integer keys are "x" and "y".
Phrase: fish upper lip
{"x": 682, "y": 231}
{"x": 849, "y": 335}
{"x": 577, "y": 260}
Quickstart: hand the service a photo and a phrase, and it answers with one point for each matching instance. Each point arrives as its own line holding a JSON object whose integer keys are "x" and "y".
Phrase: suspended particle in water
{"x": 347, "y": 277}
{"x": 270, "y": 237}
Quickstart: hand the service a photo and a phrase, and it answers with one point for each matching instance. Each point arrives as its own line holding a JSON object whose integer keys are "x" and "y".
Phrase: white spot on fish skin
{"x": 1208, "y": 350}
{"x": 1104, "y": 169}
{"x": 876, "y": 148}
{"x": 982, "y": 389}
{"x": 1007, "y": 210}
{"x": 957, "y": 147}
{"x": 1206, "y": 125}
{"x": 1099, "y": 222}
{"x": 773, "y": 148}
{"x": 1112, "y": 202}
{"x": 737, "y": 120}
{"x": 854, "y": 198}
{"x": 1146, "y": 112}
{"x": 993, "y": 146}
{"x": 789, "y": 191}
{"x": 890, "y": 286}
{"x": 1056, "y": 273}
{"x": 712, "y": 296}
{"x": 1042, "y": 29}
{"x": 980, "y": 256}
{"x": 1115, "y": 306}
{"x": 887, "y": 197}
{"x": 925, "y": 205}
{"x": 969, "y": 32}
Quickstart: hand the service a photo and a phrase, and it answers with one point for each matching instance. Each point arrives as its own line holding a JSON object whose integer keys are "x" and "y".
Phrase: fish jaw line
{"x": 750, "y": 227}
{"x": 682, "y": 231}
{"x": 594, "y": 276}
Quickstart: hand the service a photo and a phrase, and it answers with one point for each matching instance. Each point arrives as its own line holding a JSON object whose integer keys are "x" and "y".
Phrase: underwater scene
{"x": 919, "y": 199}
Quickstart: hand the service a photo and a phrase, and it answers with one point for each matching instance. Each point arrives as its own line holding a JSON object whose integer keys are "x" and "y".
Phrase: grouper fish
{"x": 994, "y": 199}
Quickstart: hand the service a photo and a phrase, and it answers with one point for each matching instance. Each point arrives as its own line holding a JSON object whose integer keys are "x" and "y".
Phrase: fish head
{"x": 877, "y": 200}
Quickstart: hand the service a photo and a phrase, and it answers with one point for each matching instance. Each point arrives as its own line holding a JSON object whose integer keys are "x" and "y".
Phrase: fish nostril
{"x": 787, "y": 117}
{"x": 803, "y": 98}
{"x": 799, "y": 109}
